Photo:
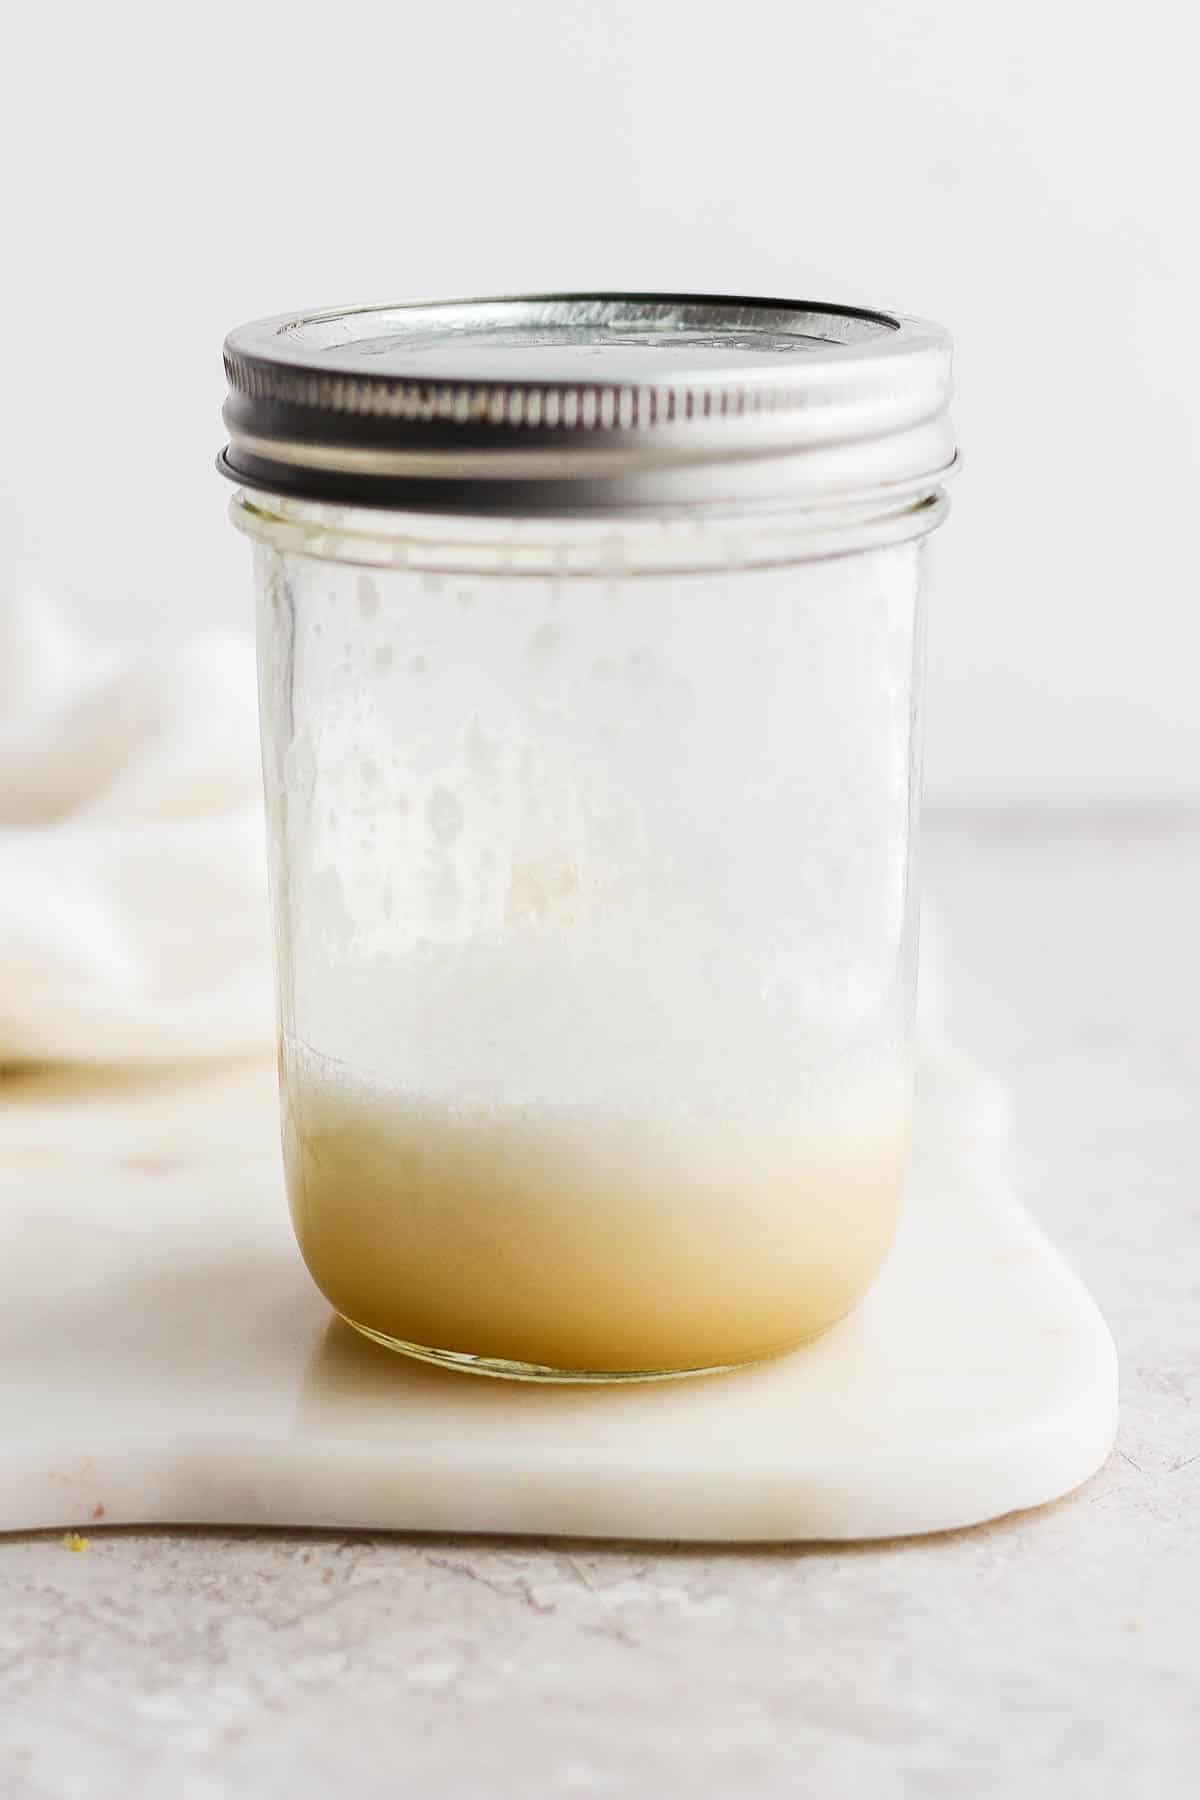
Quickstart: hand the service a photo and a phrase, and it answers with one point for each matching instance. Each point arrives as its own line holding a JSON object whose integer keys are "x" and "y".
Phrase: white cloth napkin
{"x": 133, "y": 912}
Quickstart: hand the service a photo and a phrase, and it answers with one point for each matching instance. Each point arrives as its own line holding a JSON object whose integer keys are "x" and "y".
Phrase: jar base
{"x": 507, "y": 1370}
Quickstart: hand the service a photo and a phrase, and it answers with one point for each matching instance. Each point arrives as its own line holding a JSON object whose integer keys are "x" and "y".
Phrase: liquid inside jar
{"x": 640, "y": 1226}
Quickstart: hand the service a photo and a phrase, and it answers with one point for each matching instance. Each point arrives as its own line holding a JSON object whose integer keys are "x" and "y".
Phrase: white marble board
{"x": 164, "y": 1358}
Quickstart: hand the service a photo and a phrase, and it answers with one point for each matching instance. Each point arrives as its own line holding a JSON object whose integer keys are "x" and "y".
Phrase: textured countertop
{"x": 1054, "y": 1653}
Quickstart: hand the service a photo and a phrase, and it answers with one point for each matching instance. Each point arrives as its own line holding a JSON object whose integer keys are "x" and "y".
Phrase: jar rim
{"x": 613, "y": 547}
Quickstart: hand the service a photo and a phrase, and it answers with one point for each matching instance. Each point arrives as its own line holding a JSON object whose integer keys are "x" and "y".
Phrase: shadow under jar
{"x": 590, "y": 648}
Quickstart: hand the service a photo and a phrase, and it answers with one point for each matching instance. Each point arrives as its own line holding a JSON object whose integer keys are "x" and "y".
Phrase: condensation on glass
{"x": 590, "y": 661}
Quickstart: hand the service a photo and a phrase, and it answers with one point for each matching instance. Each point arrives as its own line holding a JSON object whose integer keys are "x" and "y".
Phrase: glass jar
{"x": 590, "y": 657}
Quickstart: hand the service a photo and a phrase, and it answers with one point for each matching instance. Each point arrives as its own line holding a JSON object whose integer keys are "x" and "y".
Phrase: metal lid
{"x": 589, "y": 403}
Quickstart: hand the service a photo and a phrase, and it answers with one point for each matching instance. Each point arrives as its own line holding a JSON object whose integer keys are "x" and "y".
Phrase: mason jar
{"x": 590, "y": 644}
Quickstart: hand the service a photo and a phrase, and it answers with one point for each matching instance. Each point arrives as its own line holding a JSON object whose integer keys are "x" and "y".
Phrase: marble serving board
{"x": 165, "y": 1358}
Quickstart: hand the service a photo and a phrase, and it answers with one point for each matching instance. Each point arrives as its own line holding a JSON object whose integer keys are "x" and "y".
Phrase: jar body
{"x": 592, "y": 865}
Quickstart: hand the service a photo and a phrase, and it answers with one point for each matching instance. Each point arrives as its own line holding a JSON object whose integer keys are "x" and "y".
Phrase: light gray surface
{"x": 1056, "y": 1653}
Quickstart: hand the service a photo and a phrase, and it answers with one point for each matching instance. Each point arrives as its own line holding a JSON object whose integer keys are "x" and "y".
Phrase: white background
{"x": 1025, "y": 173}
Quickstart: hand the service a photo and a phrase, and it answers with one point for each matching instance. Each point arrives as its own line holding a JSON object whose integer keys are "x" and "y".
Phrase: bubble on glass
{"x": 447, "y": 898}
{"x": 481, "y": 752}
{"x": 545, "y": 643}
{"x": 445, "y": 815}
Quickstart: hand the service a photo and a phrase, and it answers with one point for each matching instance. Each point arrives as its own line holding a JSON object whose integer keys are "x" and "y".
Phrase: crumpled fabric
{"x": 133, "y": 908}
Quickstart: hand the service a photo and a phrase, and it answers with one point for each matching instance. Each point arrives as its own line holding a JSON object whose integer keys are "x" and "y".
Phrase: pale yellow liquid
{"x": 575, "y": 1241}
